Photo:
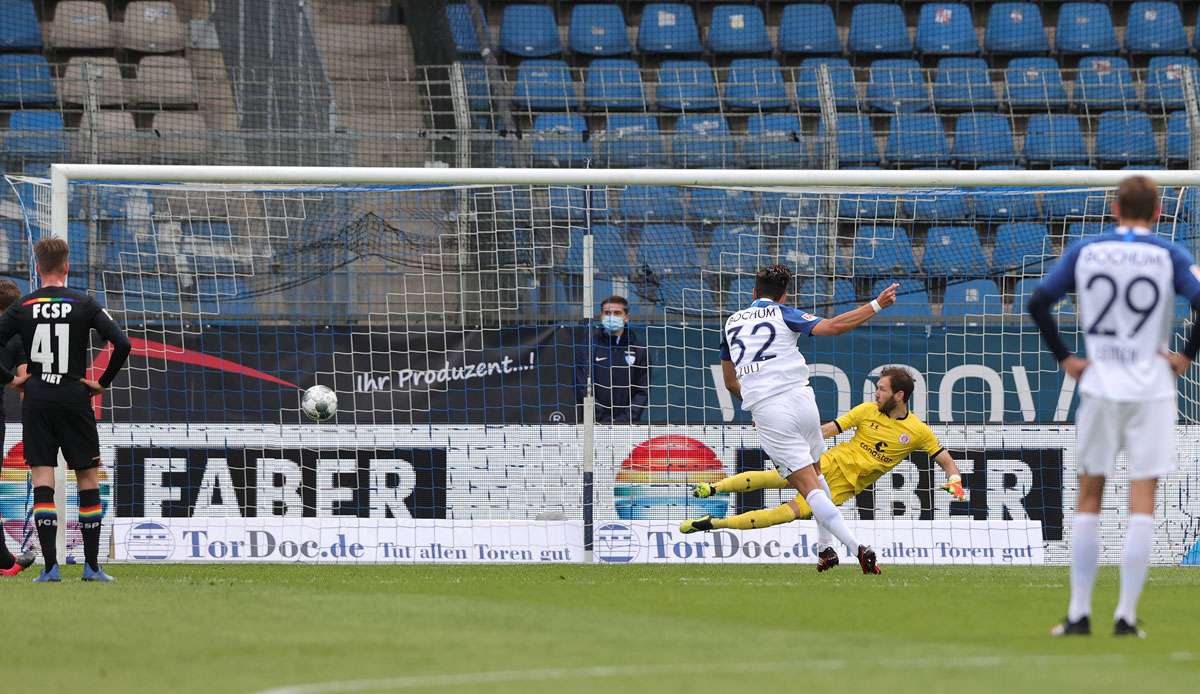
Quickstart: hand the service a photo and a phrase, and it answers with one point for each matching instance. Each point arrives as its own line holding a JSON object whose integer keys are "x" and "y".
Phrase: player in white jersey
{"x": 1126, "y": 283}
{"x": 763, "y": 366}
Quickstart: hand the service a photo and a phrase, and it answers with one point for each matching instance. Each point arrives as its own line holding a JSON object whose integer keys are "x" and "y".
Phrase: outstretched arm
{"x": 850, "y": 320}
{"x": 953, "y": 478}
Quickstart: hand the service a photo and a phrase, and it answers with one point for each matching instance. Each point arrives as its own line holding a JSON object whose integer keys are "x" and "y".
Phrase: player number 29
{"x": 41, "y": 353}
{"x": 1143, "y": 310}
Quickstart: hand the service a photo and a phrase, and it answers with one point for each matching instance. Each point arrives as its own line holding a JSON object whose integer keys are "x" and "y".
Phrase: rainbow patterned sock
{"x": 45, "y": 519}
{"x": 91, "y": 513}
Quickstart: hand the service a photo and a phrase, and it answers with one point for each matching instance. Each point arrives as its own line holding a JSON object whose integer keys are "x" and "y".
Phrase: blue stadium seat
{"x": 876, "y": 28}
{"x": 1035, "y": 83}
{"x": 1179, "y": 139}
{"x": 558, "y": 140}
{"x": 632, "y": 140}
{"x": 1155, "y": 27}
{"x": 529, "y": 31}
{"x": 25, "y": 80}
{"x": 841, "y": 77}
{"x": 963, "y": 83}
{"x": 881, "y": 208}
{"x": 686, "y": 85}
{"x": 738, "y": 29}
{"x": 946, "y": 28}
{"x": 479, "y": 90}
{"x": 570, "y": 204}
{"x": 702, "y": 141}
{"x": 1015, "y": 28}
{"x": 790, "y": 206}
{"x": 776, "y": 141}
{"x": 651, "y": 204}
{"x": 598, "y": 29}
{"x": 983, "y": 138}
{"x": 917, "y": 138}
{"x": 610, "y": 250}
{"x": 1020, "y": 247}
{"x": 1084, "y": 230}
{"x": 1072, "y": 203}
{"x": 806, "y": 249}
{"x": 855, "y": 140}
{"x": 736, "y": 249}
{"x": 825, "y": 297}
{"x": 1054, "y": 138}
{"x": 911, "y": 298}
{"x": 544, "y": 85}
{"x": 667, "y": 248}
{"x": 954, "y": 251}
{"x": 1085, "y": 27}
{"x": 973, "y": 298}
{"x": 755, "y": 83}
{"x": 1105, "y": 82}
{"x": 897, "y": 85}
{"x": 36, "y": 134}
{"x": 1003, "y": 203}
{"x": 1125, "y": 137}
{"x": 466, "y": 41}
{"x": 1164, "y": 81}
{"x": 721, "y": 205}
{"x": 808, "y": 29}
{"x": 20, "y": 29}
{"x": 614, "y": 83}
{"x": 668, "y": 27}
{"x": 937, "y": 205}
{"x": 155, "y": 294}
{"x": 882, "y": 249}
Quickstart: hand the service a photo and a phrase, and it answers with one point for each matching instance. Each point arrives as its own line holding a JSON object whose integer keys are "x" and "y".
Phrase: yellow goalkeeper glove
{"x": 954, "y": 486}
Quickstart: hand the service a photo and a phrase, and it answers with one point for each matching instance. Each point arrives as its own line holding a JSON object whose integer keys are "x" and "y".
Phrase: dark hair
{"x": 614, "y": 299}
{"x": 900, "y": 380}
{"x": 772, "y": 282}
{"x": 51, "y": 254}
{"x": 9, "y": 292}
{"x": 1137, "y": 199}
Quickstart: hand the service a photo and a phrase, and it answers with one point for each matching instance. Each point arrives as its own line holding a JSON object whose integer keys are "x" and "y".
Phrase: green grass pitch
{"x": 589, "y": 628}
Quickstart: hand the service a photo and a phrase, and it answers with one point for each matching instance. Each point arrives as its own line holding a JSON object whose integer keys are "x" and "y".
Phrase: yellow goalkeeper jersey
{"x": 878, "y": 445}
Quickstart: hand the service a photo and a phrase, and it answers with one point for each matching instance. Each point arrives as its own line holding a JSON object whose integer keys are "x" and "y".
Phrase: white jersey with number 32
{"x": 760, "y": 340}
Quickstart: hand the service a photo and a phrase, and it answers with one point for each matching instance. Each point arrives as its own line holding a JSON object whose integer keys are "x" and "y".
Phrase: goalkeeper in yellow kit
{"x": 886, "y": 432}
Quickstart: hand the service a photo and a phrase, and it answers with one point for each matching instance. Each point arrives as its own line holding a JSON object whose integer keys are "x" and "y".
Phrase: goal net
{"x": 484, "y": 411}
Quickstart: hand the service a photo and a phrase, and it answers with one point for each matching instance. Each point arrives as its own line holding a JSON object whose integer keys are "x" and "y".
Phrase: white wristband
{"x": 875, "y": 306}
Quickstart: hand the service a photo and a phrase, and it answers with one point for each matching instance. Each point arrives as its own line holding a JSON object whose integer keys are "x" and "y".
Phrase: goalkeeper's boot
{"x": 694, "y": 525}
{"x": 827, "y": 559}
{"x": 98, "y": 575}
{"x": 20, "y": 563}
{"x": 49, "y": 575}
{"x": 703, "y": 490}
{"x": 1080, "y": 627}
{"x": 866, "y": 559}
{"x": 1123, "y": 628}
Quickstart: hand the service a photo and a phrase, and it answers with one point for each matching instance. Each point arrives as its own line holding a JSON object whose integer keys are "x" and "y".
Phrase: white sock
{"x": 1138, "y": 539}
{"x": 1085, "y": 555}
{"x": 824, "y": 537}
{"x": 829, "y": 516}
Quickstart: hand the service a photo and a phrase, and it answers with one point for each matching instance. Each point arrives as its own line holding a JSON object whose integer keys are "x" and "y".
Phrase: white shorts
{"x": 1145, "y": 430}
{"x": 789, "y": 428}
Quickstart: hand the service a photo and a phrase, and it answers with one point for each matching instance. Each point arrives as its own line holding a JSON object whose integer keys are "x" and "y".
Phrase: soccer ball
{"x": 319, "y": 403}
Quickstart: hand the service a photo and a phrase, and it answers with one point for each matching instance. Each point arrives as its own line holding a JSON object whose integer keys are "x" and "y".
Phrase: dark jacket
{"x": 620, "y": 371}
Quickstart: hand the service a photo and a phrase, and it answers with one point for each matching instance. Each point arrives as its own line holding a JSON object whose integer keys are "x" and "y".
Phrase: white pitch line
{"x": 498, "y": 676}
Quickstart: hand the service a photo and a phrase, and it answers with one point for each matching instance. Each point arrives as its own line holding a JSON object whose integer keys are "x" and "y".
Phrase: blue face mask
{"x": 612, "y": 324}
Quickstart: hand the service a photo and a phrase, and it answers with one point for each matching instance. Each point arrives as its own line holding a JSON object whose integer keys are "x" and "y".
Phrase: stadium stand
{"x": 1085, "y": 27}
{"x": 702, "y": 141}
{"x": 36, "y": 135}
{"x": 738, "y": 29}
{"x": 20, "y": 29}
{"x": 641, "y": 204}
{"x": 1105, "y": 83}
{"x": 983, "y": 138}
{"x": 80, "y": 24}
{"x": 946, "y": 29}
{"x": 1035, "y": 84}
{"x": 93, "y": 77}
{"x": 1155, "y": 27}
{"x": 755, "y": 84}
{"x": 25, "y": 81}
{"x": 1164, "y": 81}
{"x": 668, "y": 27}
{"x": 599, "y": 30}
{"x": 152, "y": 27}
{"x": 912, "y": 300}
{"x": 1125, "y": 137}
{"x": 559, "y": 140}
{"x": 721, "y": 206}
{"x": 462, "y": 29}
{"x": 917, "y": 138}
{"x": 841, "y": 79}
{"x": 1020, "y": 247}
{"x": 963, "y": 84}
{"x": 686, "y": 85}
{"x": 883, "y": 249}
{"x": 1054, "y": 138}
{"x": 878, "y": 28}
{"x": 1015, "y": 28}
{"x": 164, "y": 81}
{"x": 529, "y": 31}
{"x": 544, "y": 85}
{"x": 1178, "y": 137}
{"x": 855, "y": 141}
{"x": 973, "y": 297}
{"x": 614, "y": 83}
{"x": 632, "y": 141}
{"x": 954, "y": 251}
{"x": 775, "y": 140}
{"x": 897, "y": 85}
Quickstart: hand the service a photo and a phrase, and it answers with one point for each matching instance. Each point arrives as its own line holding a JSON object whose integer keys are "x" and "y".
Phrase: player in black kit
{"x": 12, "y": 360}
{"x": 55, "y": 324}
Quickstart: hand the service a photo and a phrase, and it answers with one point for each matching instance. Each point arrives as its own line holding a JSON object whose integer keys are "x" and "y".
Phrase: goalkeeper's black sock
{"x": 45, "y": 519}
{"x": 91, "y": 514}
{"x": 6, "y": 557}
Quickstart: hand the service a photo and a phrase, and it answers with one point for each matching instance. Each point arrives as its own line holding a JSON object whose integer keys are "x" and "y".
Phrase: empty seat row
{"x": 149, "y": 27}
{"x": 893, "y": 85}
{"x": 161, "y": 80}
{"x": 531, "y": 30}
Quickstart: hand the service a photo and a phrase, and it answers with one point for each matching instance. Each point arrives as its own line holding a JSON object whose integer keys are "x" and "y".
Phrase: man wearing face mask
{"x": 619, "y": 367}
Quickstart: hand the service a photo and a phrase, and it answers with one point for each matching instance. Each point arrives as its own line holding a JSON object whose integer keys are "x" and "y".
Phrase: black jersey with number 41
{"x": 55, "y": 325}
